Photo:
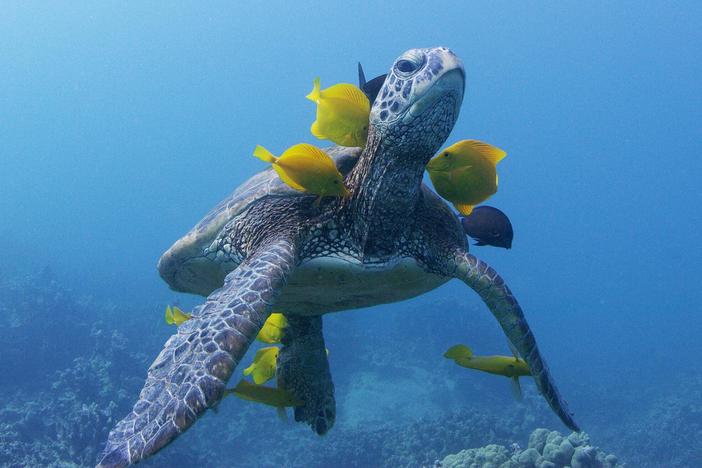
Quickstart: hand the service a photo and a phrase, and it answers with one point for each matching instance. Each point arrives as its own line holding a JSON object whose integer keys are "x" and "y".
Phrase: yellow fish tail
{"x": 264, "y": 155}
{"x": 180, "y": 317}
{"x": 464, "y": 209}
{"x": 315, "y": 93}
{"x": 459, "y": 352}
{"x": 169, "y": 316}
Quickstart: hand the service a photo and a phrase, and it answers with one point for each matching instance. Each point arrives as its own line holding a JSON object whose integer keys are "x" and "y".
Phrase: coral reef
{"x": 71, "y": 366}
{"x": 546, "y": 449}
{"x": 666, "y": 430}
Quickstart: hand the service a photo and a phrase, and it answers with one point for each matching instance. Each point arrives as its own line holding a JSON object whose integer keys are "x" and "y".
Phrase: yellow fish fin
{"x": 349, "y": 93}
{"x": 263, "y": 366}
{"x": 286, "y": 178}
{"x": 311, "y": 153}
{"x": 464, "y": 209}
{"x": 516, "y": 389}
{"x": 513, "y": 349}
{"x": 272, "y": 330}
{"x": 169, "y": 316}
{"x": 277, "y": 319}
{"x": 260, "y": 378}
{"x": 459, "y": 352}
{"x": 316, "y": 132}
{"x": 263, "y": 154}
{"x": 179, "y": 316}
{"x": 489, "y": 152}
{"x": 314, "y": 94}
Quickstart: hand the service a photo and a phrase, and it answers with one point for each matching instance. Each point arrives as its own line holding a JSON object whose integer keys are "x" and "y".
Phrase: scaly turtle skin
{"x": 268, "y": 248}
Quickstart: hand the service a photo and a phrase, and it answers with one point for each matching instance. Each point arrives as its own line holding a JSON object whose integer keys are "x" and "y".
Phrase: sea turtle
{"x": 268, "y": 247}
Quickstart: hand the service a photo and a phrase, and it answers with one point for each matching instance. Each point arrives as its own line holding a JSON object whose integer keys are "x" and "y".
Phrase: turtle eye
{"x": 406, "y": 66}
{"x": 409, "y": 64}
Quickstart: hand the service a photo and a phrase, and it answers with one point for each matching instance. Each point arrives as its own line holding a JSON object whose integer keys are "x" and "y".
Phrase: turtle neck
{"x": 385, "y": 191}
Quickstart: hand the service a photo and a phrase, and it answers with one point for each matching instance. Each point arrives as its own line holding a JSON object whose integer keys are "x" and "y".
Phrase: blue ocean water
{"x": 123, "y": 124}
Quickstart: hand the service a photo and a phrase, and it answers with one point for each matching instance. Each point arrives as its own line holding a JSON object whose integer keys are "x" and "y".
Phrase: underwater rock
{"x": 537, "y": 439}
{"x": 490, "y": 456}
{"x": 547, "y": 449}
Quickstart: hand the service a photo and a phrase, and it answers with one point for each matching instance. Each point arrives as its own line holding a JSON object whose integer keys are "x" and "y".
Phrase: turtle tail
{"x": 484, "y": 280}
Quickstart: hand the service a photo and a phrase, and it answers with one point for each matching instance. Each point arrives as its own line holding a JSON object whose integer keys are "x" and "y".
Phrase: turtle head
{"x": 419, "y": 102}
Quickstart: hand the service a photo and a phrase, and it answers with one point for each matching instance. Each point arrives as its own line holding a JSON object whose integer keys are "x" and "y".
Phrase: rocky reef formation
{"x": 546, "y": 449}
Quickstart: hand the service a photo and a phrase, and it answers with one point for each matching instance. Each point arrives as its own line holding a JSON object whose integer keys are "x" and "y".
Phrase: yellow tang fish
{"x": 176, "y": 316}
{"x": 276, "y": 397}
{"x": 262, "y": 369}
{"x": 273, "y": 329}
{"x": 508, "y": 366}
{"x": 465, "y": 173}
{"x": 343, "y": 112}
{"x": 306, "y": 168}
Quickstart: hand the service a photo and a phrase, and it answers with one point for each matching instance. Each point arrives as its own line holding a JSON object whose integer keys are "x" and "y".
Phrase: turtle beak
{"x": 451, "y": 83}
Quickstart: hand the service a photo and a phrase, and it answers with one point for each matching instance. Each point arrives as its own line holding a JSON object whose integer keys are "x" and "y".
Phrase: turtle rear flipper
{"x": 190, "y": 374}
{"x": 303, "y": 370}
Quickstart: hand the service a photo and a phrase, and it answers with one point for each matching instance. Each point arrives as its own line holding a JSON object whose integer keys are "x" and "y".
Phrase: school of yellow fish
{"x": 465, "y": 174}
{"x": 263, "y": 367}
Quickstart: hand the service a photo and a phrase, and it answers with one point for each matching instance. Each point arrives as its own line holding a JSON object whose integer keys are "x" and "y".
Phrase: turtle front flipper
{"x": 484, "y": 280}
{"x": 303, "y": 370}
{"x": 195, "y": 364}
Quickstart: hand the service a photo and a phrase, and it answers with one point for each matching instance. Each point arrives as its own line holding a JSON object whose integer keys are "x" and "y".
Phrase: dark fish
{"x": 370, "y": 88}
{"x": 489, "y": 226}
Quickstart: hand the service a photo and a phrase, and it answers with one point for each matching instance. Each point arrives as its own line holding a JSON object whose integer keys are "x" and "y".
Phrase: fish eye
{"x": 447, "y": 154}
{"x": 495, "y": 233}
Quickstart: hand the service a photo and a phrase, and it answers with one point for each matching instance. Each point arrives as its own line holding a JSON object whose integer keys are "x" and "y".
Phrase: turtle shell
{"x": 263, "y": 184}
